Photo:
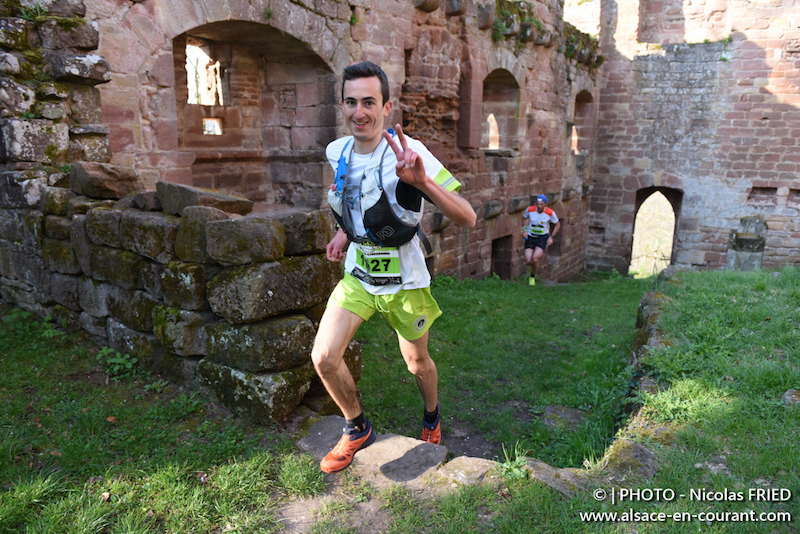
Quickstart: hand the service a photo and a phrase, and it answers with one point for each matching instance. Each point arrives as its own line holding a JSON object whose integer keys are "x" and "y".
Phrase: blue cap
{"x": 542, "y": 198}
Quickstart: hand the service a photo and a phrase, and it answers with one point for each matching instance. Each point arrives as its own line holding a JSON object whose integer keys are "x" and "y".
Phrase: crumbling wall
{"x": 437, "y": 54}
{"x": 708, "y": 119}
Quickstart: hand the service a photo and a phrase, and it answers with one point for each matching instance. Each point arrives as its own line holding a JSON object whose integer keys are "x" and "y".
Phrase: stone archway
{"x": 655, "y": 230}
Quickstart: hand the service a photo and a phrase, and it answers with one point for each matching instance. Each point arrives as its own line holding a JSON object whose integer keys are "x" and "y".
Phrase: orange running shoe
{"x": 432, "y": 433}
{"x": 341, "y": 456}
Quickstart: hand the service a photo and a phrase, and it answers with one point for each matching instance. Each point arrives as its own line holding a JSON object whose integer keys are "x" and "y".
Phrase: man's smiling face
{"x": 364, "y": 112}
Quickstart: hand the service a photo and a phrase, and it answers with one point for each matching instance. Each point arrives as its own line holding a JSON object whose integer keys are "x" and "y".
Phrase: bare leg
{"x": 420, "y": 364}
{"x": 537, "y": 255}
{"x": 336, "y": 329}
{"x": 529, "y": 260}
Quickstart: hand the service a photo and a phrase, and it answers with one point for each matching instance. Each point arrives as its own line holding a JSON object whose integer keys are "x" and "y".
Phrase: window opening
{"x": 494, "y": 132}
{"x": 204, "y": 77}
{"x": 212, "y": 126}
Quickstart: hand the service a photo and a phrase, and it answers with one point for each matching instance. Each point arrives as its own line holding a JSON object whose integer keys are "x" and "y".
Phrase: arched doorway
{"x": 654, "y": 230}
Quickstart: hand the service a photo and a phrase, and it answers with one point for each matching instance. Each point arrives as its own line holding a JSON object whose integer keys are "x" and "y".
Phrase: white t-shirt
{"x": 409, "y": 259}
{"x": 539, "y": 223}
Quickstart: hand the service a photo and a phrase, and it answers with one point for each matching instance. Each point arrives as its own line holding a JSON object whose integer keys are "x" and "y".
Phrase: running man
{"x": 381, "y": 179}
{"x": 536, "y": 222}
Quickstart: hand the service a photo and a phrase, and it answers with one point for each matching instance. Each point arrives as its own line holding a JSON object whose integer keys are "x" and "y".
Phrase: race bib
{"x": 377, "y": 266}
{"x": 536, "y": 230}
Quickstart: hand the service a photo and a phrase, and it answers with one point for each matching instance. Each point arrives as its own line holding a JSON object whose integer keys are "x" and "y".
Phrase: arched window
{"x": 501, "y": 97}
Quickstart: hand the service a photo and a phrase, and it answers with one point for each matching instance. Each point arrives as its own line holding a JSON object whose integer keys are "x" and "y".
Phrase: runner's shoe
{"x": 531, "y": 281}
{"x": 341, "y": 456}
{"x": 432, "y": 433}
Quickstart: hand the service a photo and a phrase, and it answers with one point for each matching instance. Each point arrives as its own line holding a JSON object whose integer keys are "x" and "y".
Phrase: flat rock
{"x": 175, "y": 198}
{"x": 391, "y": 459}
{"x": 562, "y": 417}
{"x": 565, "y": 481}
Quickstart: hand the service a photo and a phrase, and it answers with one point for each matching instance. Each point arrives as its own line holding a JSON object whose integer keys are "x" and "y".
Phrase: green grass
{"x": 80, "y": 453}
{"x": 504, "y": 351}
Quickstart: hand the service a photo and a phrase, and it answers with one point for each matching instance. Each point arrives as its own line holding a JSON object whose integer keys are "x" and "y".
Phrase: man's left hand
{"x": 410, "y": 167}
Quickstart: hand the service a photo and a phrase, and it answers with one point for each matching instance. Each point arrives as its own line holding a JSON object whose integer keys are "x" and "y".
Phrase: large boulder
{"x": 176, "y": 197}
{"x": 252, "y": 292}
{"x": 252, "y": 239}
{"x": 102, "y": 180}
{"x": 264, "y": 398}
{"x": 272, "y": 345}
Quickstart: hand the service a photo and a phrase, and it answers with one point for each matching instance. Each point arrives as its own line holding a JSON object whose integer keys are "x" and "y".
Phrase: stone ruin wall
{"x": 283, "y": 61}
{"x": 104, "y": 229}
{"x": 700, "y": 101}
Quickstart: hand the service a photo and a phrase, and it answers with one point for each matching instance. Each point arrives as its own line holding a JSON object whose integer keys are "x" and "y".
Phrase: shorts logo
{"x": 419, "y": 324}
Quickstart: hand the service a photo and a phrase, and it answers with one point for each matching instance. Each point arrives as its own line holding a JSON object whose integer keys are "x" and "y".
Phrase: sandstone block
{"x": 150, "y": 277}
{"x": 492, "y": 209}
{"x": 93, "y": 296}
{"x": 33, "y": 228}
{"x": 184, "y": 284}
{"x": 89, "y": 69}
{"x": 12, "y": 225}
{"x": 56, "y": 227}
{"x": 66, "y": 291}
{"x": 252, "y": 292}
{"x": 37, "y": 140}
{"x": 85, "y": 104}
{"x": 54, "y": 37}
{"x": 9, "y": 64}
{"x": 147, "y": 201}
{"x": 181, "y": 332}
{"x": 132, "y": 308}
{"x": 272, "y": 345}
{"x": 94, "y": 325}
{"x": 190, "y": 241}
{"x": 175, "y": 197}
{"x": 151, "y": 234}
{"x": 80, "y": 205}
{"x": 182, "y": 369}
{"x": 15, "y": 98}
{"x": 59, "y": 256}
{"x": 82, "y": 243}
{"x": 103, "y": 226}
{"x": 307, "y": 232}
{"x": 18, "y": 262}
{"x": 245, "y": 240}
{"x": 55, "y": 200}
{"x": 518, "y": 204}
{"x": 265, "y": 398}
{"x": 13, "y": 33}
{"x": 141, "y": 345}
{"x": 118, "y": 267}
{"x": 21, "y": 189}
{"x": 59, "y": 8}
{"x": 92, "y": 148}
{"x": 101, "y": 180}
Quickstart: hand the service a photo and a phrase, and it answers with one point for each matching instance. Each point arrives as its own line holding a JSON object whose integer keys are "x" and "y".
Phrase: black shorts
{"x": 537, "y": 241}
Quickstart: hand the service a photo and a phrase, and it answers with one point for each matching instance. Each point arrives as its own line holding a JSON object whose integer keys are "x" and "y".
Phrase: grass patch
{"x": 114, "y": 455}
{"x": 504, "y": 351}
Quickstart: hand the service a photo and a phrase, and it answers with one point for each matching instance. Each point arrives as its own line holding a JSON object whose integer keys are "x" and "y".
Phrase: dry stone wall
{"x": 182, "y": 279}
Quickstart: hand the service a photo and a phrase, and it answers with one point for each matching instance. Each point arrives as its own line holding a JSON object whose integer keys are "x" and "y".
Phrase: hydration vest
{"x": 383, "y": 227}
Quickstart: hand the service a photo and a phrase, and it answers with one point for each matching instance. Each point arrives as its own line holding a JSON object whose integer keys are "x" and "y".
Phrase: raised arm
{"x": 411, "y": 170}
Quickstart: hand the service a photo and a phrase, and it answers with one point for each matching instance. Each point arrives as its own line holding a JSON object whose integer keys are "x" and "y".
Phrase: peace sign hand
{"x": 410, "y": 167}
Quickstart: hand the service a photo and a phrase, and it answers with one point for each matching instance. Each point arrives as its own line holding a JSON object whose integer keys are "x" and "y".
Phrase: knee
{"x": 419, "y": 366}
{"x": 326, "y": 359}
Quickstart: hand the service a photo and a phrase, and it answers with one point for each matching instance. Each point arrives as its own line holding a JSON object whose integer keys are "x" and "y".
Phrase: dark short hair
{"x": 367, "y": 69}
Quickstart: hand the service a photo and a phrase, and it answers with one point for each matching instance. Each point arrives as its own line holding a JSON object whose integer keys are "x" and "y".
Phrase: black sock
{"x": 431, "y": 417}
{"x": 359, "y": 423}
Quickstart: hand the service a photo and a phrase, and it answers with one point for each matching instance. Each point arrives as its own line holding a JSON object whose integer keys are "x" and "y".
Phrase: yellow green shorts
{"x": 410, "y": 312}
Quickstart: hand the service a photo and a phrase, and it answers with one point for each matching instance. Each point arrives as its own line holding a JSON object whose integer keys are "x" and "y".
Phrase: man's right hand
{"x": 336, "y": 248}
